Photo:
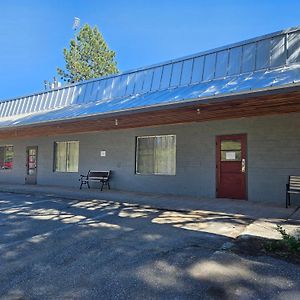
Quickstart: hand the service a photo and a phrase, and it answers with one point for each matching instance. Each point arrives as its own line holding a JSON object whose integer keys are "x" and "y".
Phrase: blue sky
{"x": 34, "y": 33}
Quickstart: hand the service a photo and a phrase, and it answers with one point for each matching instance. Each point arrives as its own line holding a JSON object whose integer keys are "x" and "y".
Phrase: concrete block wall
{"x": 273, "y": 144}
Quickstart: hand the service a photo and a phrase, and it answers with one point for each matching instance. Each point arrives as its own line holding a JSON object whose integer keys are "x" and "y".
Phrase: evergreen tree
{"x": 88, "y": 57}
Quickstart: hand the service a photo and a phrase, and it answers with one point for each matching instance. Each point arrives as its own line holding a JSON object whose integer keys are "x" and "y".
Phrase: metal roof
{"x": 269, "y": 61}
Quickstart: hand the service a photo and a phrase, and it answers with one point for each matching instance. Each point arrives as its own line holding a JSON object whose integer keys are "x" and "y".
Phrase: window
{"x": 6, "y": 157}
{"x": 66, "y": 156}
{"x": 156, "y": 155}
{"x": 231, "y": 150}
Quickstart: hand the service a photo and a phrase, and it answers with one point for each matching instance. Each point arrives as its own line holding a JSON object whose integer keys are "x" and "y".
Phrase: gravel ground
{"x": 52, "y": 248}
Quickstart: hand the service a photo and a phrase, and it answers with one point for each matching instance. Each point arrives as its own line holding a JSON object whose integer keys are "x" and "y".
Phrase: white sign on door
{"x": 230, "y": 156}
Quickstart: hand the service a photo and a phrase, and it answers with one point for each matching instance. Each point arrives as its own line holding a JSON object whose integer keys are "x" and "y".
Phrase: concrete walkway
{"x": 250, "y": 209}
{"x": 263, "y": 217}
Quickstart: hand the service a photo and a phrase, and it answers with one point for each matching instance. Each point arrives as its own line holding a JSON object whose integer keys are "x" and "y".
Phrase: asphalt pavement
{"x": 52, "y": 247}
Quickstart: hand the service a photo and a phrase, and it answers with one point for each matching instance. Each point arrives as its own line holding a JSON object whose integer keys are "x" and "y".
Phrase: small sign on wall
{"x": 102, "y": 153}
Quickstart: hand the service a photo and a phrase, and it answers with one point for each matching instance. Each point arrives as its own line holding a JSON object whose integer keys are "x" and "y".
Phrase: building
{"x": 222, "y": 123}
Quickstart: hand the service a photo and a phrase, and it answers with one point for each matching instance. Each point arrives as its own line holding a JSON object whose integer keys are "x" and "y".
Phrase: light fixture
{"x": 116, "y": 122}
{"x": 198, "y": 111}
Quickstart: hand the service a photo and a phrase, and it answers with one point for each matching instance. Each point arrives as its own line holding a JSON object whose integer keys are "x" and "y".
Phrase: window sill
{"x": 66, "y": 172}
{"x": 139, "y": 174}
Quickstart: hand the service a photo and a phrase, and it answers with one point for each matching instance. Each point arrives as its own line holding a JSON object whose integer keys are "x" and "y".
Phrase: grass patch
{"x": 288, "y": 246}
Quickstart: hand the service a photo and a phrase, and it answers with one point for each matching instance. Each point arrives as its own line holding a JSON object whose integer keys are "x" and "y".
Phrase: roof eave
{"x": 289, "y": 88}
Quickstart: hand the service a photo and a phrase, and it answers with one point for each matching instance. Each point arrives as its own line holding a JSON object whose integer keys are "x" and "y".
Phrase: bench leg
{"x": 84, "y": 182}
{"x": 289, "y": 199}
{"x": 286, "y": 199}
{"x": 88, "y": 184}
{"x": 108, "y": 185}
{"x": 102, "y": 186}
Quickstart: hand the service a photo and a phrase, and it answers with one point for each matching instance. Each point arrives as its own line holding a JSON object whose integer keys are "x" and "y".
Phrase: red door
{"x": 231, "y": 166}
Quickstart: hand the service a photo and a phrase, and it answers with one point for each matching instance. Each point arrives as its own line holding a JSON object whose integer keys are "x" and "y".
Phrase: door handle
{"x": 243, "y": 165}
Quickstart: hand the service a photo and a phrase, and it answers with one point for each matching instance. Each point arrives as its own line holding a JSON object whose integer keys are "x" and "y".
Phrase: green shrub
{"x": 291, "y": 242}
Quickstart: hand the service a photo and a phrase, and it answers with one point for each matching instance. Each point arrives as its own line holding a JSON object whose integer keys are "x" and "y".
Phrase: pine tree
{"x": 88, "y": 57}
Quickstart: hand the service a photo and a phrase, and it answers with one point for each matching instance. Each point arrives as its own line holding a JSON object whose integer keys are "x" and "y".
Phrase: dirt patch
{"x": 255, "y": 246}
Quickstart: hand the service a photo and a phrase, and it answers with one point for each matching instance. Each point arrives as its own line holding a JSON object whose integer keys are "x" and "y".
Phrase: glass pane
{"x": 235, "y": 155}
{"x": 231, "y": 145}
{"x": 6, "y": 157}
{"x": 156, "y": 155}
{"x": 60, "y": 156}
{"x": 31, "y": 165}
{"x": 31, "y": 151}
{"x": 9, "y": 155}
{"x": 145, "y": 155}
{"x": 31, "y": 171}
{"x": 32, "y": 158}
{"x": 2, "y": 151}
{"x": 165, "y": 155}
{"x": 72, "y": 156}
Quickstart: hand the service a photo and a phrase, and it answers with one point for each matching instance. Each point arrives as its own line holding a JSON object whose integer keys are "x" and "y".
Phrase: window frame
{"x": 67, "y": 156}
{"x": 4, "y": 156}
{"x": 234, "y": 148}
{"x": 136, "y": 155}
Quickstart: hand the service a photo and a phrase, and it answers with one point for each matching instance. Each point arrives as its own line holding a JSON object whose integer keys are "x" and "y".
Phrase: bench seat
{"x": 102, "y": 177}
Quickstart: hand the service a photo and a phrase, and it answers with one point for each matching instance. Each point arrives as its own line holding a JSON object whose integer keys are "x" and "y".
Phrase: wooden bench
{"x": 96, "y": 176}
{"x": 292, "y": 187}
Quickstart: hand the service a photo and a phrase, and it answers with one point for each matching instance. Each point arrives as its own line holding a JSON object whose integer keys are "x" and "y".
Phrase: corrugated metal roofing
{"x": 271, "y": 60}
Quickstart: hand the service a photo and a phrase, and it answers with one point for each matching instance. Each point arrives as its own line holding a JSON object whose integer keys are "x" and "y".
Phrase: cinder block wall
{"x": 273, "y": 154}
